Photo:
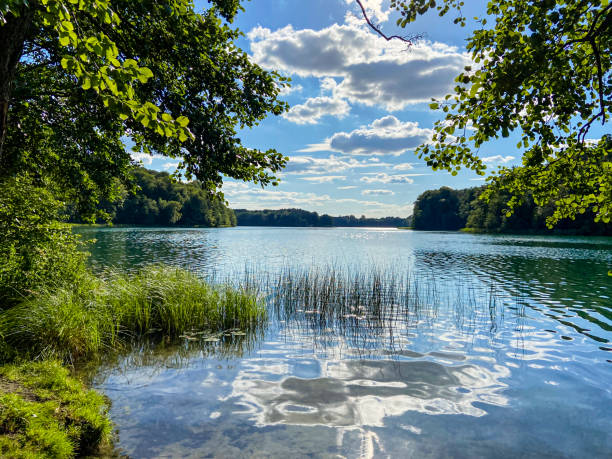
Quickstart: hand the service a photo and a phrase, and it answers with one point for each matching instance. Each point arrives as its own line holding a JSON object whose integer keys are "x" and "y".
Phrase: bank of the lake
{"x": 45, "y": 412}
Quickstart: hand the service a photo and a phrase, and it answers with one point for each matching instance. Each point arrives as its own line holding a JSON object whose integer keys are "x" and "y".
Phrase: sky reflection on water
{"x": 503, "y": 355}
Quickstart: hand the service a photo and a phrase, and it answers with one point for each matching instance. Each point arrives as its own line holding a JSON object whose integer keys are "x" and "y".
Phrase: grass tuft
{"x": 99, "y": 315}
{"x": 44, "y": 413}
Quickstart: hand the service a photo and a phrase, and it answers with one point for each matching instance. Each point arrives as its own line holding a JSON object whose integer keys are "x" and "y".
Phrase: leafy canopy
{"x": 94, "y": 59}
{"x": 542, "y": 70}
{"x": 95, "y": 73}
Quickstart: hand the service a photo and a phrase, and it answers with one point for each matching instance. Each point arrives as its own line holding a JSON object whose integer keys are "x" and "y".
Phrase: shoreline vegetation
{"x": 55, "y": 313}
{"x": 46, "y": 413}
{"x": 163, "y": 202}
{"x": 447, "y": 209}
{"x": 304, "y": 218}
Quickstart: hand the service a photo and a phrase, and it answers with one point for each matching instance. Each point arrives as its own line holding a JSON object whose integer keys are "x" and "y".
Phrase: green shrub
{"x": 37, "y": 251}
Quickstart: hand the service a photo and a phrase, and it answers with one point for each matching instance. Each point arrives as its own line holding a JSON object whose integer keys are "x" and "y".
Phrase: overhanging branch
{"x": 409, "y": 40}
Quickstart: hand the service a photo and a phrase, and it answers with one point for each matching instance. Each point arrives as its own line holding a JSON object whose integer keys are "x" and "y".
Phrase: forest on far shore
{"x": 299, "y": 217}
{"x": 162, "y": 201}
{"x": 447, "y": 209}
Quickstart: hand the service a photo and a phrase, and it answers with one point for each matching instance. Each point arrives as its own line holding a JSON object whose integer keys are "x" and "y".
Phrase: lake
{"x": 477, "y": 346}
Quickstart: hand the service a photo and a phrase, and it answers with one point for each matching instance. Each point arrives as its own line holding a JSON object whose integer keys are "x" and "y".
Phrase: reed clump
{"x": 100, "y": 315}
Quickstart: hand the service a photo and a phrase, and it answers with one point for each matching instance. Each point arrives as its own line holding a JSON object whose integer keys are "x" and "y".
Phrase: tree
{"x": 437, "y": 210}
{"x": 542, "y": 69}
{"x": 77, "y": 78}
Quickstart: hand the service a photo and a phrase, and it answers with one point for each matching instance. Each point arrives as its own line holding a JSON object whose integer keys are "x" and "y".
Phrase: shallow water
{"x": 506, "y": 353}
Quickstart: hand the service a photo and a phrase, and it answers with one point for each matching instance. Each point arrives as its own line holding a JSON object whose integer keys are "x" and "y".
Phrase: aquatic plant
{"x": 102, "y": 315}
{"x": 374, "y": 308}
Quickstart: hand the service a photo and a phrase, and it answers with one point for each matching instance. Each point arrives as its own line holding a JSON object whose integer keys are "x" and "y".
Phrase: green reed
{"x": 104, "y": 314}
{"x": 374, "y": 308}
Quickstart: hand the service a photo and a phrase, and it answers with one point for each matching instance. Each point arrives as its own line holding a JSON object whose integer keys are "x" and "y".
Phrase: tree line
{"x": 447, "y": 209}
{"x": 299, "y": 217}
{"x": 162, "y": 201}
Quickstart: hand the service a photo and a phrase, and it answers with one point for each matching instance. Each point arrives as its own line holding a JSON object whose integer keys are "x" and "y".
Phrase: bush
{"x": 37, "y": 251}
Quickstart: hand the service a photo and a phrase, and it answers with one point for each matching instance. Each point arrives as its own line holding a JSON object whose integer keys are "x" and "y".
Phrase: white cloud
{"x": 349, "y": 187}
{"x": 286, "y": 90}
{"x": 377, "y": 193}
{"x": 324, "y": 178}
{"x": 403, "y": 167}
{"x": 386, "y": 178}
{"x": 168, "y": 166}
{"x": 308, "y": 165}
{"x": 385, "y": 136}
{"x": 497, "y": 159}
{"x": 315, "y": 108}
{"x": 374, "y": 9}
{"x": 370, "y": 70}
{"x": 246, "y": 196}
{"x": 145, "y": 158}
{"x": 328, "y": 84}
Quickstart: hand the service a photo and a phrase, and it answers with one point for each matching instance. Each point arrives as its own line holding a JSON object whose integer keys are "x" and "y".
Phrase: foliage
{"x": 176, "y": 70}
{"x": 542, "y": 69}
{"x": 444, "y": 209}
{"x": 82, "y": 321}
{"x": 451, "y": 210}
{"x": 47, "y": 414}
{"x": 94, "y": 59}
{"x": 36, "y": 251}
{"x": 160, "y": 200}
{"x": 299, "y": 217}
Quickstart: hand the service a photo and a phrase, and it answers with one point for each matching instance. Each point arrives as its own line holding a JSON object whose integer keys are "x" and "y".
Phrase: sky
{"x": 359, "y": 106}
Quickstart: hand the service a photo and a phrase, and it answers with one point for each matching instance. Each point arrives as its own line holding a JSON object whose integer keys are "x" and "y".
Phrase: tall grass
{"x": 375, "y": 309}
{"x": 100, "y": 315}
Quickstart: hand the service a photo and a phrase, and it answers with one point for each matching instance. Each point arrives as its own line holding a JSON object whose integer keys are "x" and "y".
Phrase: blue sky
{"x": 360, "y": 105}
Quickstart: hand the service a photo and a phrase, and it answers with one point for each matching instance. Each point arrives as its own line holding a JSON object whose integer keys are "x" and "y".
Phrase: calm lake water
{"x": 502, "y": 348}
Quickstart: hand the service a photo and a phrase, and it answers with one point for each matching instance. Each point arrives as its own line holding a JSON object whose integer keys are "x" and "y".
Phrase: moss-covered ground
{"x": 45, "y": 413}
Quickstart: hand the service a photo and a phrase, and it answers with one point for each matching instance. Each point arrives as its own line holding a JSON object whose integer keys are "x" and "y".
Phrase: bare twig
{"x": 409, "y": 40}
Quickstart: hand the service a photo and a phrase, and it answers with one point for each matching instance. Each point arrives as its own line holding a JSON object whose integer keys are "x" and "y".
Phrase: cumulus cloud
{"x": 386, "y": 178}
{"x": 349, "y": 187}
{"x": 377, "y": 193}
{"x": 286, "y": 90}
{"x": 403, "y": 167}
{"x": 369, "y": 69}
{"x": 374, "y": 9}
{"x": 168, "y": 166}
{"x": 246, "y": 196}
{"x": 308, "y": 165}
{"x": 324, "y": 178}
{"x": 497, "y": 159}
{"x": 328, "y": 84}
{"x": 315, "y": 108}
{"x": 385, "y": 136}
{"x": 145, "y": 158}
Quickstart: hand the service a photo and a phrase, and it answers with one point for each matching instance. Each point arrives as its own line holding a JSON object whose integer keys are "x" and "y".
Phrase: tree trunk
{"x": 12, "y": 38}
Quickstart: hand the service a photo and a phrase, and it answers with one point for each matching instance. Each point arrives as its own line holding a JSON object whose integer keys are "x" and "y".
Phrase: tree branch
{"x": 409, "y": 40}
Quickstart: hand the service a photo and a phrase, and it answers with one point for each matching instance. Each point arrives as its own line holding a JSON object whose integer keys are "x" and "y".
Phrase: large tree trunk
{"x": 12, "y": 38}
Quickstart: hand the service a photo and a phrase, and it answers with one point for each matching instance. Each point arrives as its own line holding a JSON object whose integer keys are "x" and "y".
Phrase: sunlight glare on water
{"x": 465, "y": 346}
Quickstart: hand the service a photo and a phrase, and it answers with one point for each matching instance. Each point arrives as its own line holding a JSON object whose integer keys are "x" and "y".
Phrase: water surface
{"x": 500, "y": 349}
